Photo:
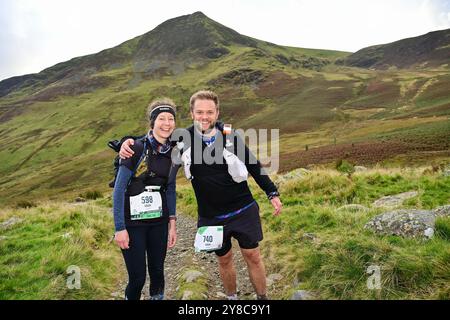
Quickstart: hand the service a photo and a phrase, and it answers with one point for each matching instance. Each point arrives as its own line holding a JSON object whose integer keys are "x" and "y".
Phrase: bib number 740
{"x": 208, "y": 238}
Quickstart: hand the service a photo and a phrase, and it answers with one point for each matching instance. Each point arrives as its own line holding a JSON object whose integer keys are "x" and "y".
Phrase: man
{"x": 224, "y": 198}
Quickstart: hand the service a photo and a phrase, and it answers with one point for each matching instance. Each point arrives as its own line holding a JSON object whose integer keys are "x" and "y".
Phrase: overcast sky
{"x": 36, "y": 34}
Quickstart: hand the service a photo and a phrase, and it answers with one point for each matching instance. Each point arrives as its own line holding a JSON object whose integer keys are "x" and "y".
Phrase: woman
{"x": 144, "y": 204}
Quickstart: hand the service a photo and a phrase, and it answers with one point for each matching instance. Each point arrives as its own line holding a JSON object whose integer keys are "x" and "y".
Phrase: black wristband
{"x": 273, "y": 195}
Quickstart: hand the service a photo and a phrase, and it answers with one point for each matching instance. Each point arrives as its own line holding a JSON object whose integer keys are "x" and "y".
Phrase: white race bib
{"x": 146, "y": 205}
{"x": 208, "y": 238}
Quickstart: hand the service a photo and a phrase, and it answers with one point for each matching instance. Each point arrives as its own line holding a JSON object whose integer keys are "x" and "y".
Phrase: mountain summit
{"x": 192, "y": 34}
{"x": 169, "y": 48}
{"x": 55, "y": 124}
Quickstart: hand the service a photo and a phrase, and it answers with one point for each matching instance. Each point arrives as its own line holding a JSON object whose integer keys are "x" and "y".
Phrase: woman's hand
{"x": 122, "y": 239}
{"x": 172, "y": 234}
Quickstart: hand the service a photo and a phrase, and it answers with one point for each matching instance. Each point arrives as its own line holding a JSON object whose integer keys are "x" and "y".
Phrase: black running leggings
{"x": 152, "y": 240}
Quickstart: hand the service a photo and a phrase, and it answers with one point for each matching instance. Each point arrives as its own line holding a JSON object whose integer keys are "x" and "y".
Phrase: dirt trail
{"x": 183, "y": 256}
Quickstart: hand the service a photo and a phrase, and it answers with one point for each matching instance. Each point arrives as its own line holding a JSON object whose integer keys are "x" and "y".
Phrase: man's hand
{"x": 172, "y": 234}
{"x": 125, "y": 150}
{"x": 122, "y": 239}
{"x": 276, "y": 203}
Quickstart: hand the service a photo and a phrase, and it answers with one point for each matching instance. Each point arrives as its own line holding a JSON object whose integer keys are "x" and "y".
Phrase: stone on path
{"x": 192, "y": 275}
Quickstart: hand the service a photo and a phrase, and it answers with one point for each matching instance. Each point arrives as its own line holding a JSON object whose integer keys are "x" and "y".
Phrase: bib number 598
{"x": 146, "y": 199}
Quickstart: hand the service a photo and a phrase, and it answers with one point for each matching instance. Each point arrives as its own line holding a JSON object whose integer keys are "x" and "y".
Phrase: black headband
{"x": 160, "y": 109}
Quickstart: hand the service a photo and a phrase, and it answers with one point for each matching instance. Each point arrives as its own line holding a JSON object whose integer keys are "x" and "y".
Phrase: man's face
{"x": 204, "y": 114}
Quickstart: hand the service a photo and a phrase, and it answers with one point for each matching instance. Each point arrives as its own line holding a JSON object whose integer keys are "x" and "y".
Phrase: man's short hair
{"x": 204, "y": 95}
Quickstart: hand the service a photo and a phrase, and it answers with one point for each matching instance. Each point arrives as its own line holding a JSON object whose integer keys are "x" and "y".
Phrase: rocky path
{"x": 182, "y": 258}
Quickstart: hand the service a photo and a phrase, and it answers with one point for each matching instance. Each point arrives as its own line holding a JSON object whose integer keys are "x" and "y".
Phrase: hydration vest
{"x": 236, "y": 167}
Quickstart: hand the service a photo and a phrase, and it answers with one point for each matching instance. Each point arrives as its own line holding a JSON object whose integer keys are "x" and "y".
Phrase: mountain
{"x": 429, "y": 50}
{"x": 192, "y": 35}
{"x": 165, "y": 49}
{"x": 54, "y": 125}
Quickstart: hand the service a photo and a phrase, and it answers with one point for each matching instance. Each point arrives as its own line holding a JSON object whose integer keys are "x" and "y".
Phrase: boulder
{"x": 443, "y": 211}
{"x": 395, "y": 200}
{"x": 10, "y": 222}
{"x": 295, "y": 174}
{"x": 429, "y": 233}
{"x": 405, "y": 223}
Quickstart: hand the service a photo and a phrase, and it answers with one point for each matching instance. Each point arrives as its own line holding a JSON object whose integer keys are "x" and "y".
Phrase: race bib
{"x": 146, "y": 205}
{"x": 208, "y": 238}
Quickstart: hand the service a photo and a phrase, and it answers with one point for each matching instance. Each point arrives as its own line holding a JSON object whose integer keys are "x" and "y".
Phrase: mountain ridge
{"x": 429, "y": 50}
{"x": 54, "y": 126}
{"x": 190, "y": 36}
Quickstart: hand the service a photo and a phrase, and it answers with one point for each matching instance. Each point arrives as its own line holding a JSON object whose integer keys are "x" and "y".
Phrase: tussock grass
{"x": 36, "y": 252}
{"x": 334, "y": 263}
{"x": 443, "y": 228}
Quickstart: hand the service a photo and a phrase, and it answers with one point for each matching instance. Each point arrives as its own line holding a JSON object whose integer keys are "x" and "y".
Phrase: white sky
{"x": 36, "y": 34}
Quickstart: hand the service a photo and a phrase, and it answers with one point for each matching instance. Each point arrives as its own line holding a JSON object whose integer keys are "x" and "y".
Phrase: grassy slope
{"x": 335, "y": 264}
{"x": 56, "y": 147}
{"x": 35, "y": 255}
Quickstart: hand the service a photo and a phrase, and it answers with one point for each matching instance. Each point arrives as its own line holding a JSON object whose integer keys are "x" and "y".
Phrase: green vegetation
{"x": 91, "y": 195}
{"x": 345, "y": 167}
{"x": 334, "y": 263}
{"x": 36, "y": 253}
{"x": 54, "y": 127}
{"x": 443, "y": 228}
{"x": 325, "y": 248}
{"x": 198, "y": 287}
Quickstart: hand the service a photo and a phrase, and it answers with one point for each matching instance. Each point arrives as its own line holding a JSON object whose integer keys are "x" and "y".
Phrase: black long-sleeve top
{"x": 216, "y": 192}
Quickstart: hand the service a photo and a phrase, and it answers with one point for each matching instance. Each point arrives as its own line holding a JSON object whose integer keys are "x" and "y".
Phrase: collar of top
{"x": 156, "y": 145}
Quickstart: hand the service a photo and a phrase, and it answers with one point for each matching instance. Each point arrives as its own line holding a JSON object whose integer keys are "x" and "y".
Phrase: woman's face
{"x": 164, "y": 125}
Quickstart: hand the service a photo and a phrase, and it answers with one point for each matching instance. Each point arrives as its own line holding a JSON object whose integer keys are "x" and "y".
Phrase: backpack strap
{"x": 144, "y": 153}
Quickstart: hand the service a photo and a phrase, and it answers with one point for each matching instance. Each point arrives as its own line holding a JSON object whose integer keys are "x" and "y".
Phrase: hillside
{"x": 318, "y": 243}
{"x": 429, "y": 50}
{"x": 39, "y": 244}
{"x": 54, "y": 125}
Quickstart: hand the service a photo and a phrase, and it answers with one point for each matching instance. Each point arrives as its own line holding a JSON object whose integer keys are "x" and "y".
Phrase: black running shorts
{"x": 245, "y": 227}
